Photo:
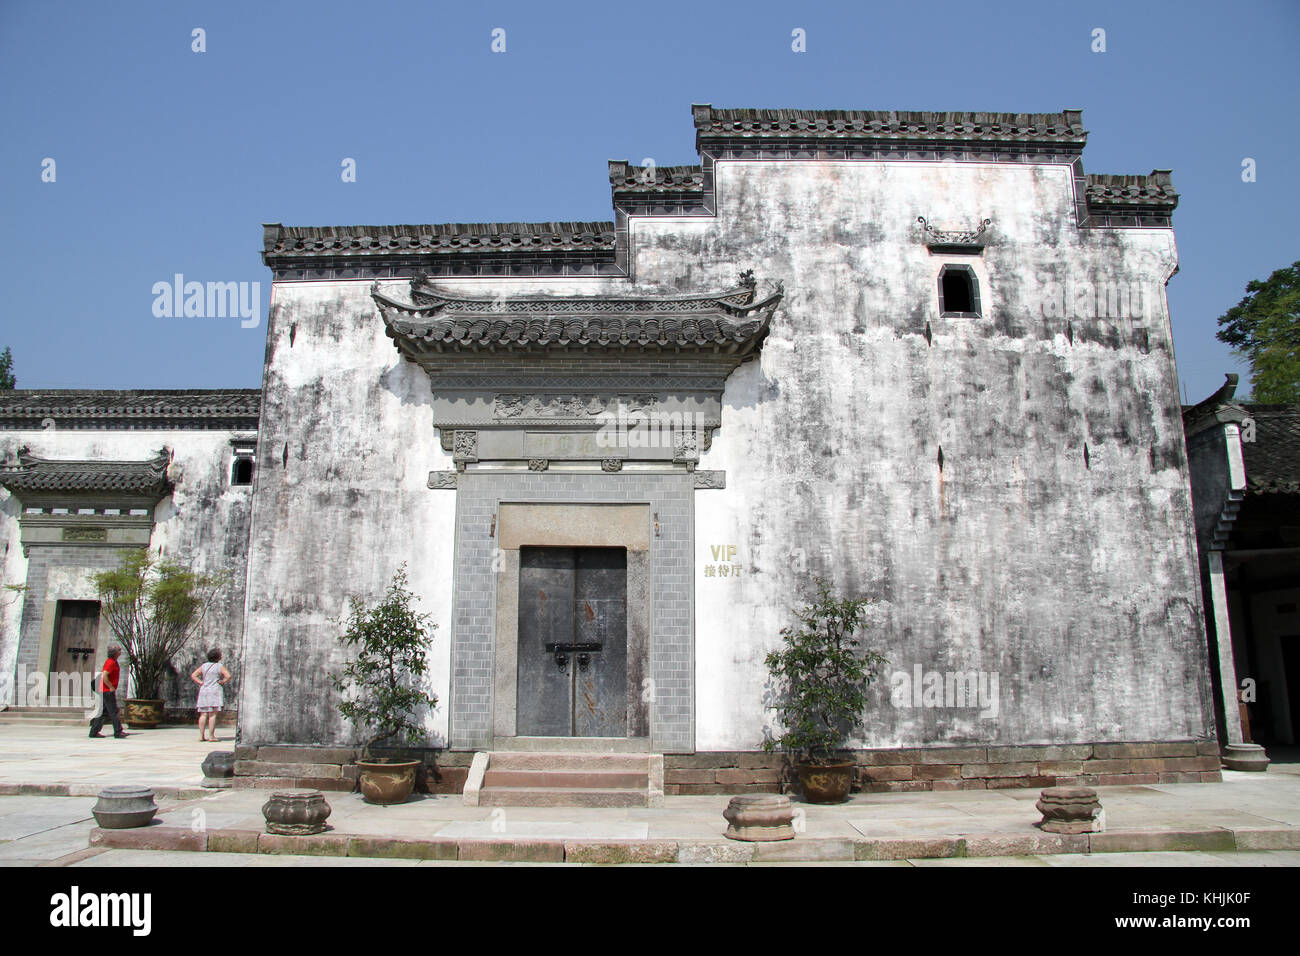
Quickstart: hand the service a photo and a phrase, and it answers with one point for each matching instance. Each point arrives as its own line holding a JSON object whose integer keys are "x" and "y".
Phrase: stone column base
{"x": 1245, "y": 757}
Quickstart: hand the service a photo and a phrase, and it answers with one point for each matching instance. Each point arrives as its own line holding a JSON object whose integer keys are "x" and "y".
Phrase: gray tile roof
{"x": 44, "y": 475}
{"x": 284, "y": 243}
{"x": 625, "y": 178}
{"x": 600, "y": 248}
{"x": 130, "y": 408}
{"x": 1062, "y": 130}
{"x": 1273, "y": 458}
{"x": 1155, "y": 189}
{"x": 733, "y": 322}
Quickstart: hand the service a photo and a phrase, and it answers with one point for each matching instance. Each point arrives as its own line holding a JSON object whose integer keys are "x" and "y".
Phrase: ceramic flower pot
{"x": 387, "y": 781}
{"x": 826, "y": 783}
{"x": 143, "y": 714}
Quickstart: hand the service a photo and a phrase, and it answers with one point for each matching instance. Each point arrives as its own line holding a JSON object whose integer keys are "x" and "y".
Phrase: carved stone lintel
{"x": 710, "y": 479}
{"x": 611, "y": 464}
{"x": 569, "y": 407}
{"x": 443, "y": 480}
{"x": 538, "y": 464}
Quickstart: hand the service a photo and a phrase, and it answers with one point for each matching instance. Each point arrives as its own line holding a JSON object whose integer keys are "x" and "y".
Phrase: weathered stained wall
{"x": 1075, "y": 582}
{"x": 346, "y": 446}
{"x": 1070, "y": 577}
{"x": 203, "y": 523}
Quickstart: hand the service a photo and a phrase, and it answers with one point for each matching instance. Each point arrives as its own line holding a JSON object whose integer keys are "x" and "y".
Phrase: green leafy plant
{"x": 154, "y": 606}
{"x": 821, "y": 676}
{"x": 1264, "y": 329}
{"x": 387, "y": 645}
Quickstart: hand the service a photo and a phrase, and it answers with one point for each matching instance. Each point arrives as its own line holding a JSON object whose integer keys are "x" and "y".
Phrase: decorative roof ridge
{"x": 73, "y": 407}
{"x": 92, "y": 392}
{"x": 35, "y": 474}
{"x": 280, "y": 242}
{"x": 624, "y": 177}
{"x": 1271, "y": 410}
{"x": 1063, "y": 129}
{"x": 1150, "y": 189}
{"x": 735, "y": 321}
{"x": 429, "y": 299}
{"x": 27, "y": 460}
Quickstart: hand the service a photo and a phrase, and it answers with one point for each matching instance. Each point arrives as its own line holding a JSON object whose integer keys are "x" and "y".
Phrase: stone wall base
{"x": 879, "y": 771}
{"x": 180, "y": 715}
{"x": 333, "y": 768}
{"x": 958, "y": 768}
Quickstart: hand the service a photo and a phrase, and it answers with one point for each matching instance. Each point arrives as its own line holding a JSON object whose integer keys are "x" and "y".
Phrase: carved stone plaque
{"x": 561, "y": 445}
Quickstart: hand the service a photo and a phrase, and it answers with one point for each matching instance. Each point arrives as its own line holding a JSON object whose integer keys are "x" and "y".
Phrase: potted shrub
{"x": 154, "y": 606}
{"x": 387, "y": 646}
{"x": 820, "y": 676}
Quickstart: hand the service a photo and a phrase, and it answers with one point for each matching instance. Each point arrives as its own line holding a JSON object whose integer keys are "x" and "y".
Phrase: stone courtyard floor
{"x": 48, "y": 776}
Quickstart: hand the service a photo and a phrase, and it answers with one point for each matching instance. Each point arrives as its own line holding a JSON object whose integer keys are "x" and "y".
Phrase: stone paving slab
{"x": 43, "y": 769}
{"x": 169, "y": 859}
{"x": 167, "y": 759}
{"x": 442, "y": 827}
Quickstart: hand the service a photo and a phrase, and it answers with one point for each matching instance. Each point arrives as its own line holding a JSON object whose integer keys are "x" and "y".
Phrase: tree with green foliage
{"x": 1264, "y": 328}
{"x": 7, "y": 380}
{"x": 388, "y": 645}
{"x": 821, "y": 676}
{"x": 154, "y": 606}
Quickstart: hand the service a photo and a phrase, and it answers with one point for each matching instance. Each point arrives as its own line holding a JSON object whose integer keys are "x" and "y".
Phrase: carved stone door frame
{"x": 555, "y": 524}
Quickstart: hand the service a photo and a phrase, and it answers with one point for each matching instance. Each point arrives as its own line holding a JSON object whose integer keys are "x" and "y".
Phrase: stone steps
{"x": 561, "y": 797}
{"x": 44, "y": 717}
{"x": 565, "y": 779}
{"x": 577, "y": 780}
{"x": 571, "y": 762}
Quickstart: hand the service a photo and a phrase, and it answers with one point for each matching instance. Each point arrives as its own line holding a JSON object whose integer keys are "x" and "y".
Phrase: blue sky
{"x": 168, "y": 160}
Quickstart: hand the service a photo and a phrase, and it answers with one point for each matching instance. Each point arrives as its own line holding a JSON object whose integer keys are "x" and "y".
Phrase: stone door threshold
{"x": 606, "y": 745}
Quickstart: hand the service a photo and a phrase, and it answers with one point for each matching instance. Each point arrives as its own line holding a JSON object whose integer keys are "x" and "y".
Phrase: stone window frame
{"x": 242, "y": 450}
{"x": 973, "y": 278}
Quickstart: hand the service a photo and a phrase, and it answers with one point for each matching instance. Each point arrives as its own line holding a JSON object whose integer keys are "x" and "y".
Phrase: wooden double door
{"x": 572, "y": 655}
{"x": 76, "y": 637}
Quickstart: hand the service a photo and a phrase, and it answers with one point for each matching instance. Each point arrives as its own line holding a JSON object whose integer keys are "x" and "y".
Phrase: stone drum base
{"x": 296, "y": 812}
{"x": 759, "y": 817}
{"x": 124, "y": 807}
{"x": 1071, "y": 810}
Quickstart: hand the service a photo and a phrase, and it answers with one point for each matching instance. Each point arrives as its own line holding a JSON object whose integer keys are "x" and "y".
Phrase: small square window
{"x": 241, "y": 472}
{"x": 959, "y": 292}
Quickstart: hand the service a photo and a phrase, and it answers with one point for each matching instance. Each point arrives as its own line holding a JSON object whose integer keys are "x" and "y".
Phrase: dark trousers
{"x": 107, "y": 711}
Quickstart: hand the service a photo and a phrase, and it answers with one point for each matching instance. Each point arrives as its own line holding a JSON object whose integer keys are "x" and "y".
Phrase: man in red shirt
{"x": 107, "y": 687}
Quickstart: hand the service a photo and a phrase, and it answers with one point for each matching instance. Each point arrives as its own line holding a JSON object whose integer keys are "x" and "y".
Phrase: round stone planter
{"x": 143, "y": 714}
{"x": 124, "y": 807}
{"x": 390, "y": 782}
{"x": 759, "y": 817}
{"x": 219, "y": 769}
{"x": 826, "y": 783}
{"x": 296, "y": 812}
